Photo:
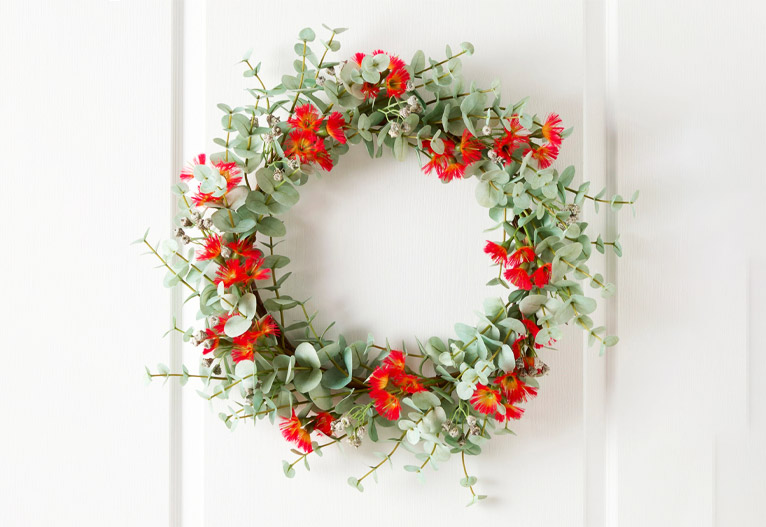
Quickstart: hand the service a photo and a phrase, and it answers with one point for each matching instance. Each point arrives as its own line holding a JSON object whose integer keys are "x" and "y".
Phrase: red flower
{"x": 295, "y": 433}
{"x": 254, "y": 269}
{"x": 470, "y": 148}
{"x": 511, "y": 140}
{"x": 520, "y": 256}
{"x": 308, "y": 148}
{"x": 240, "y": 353}
{"x": 514, "y": 389}
{"x": 497, "y": 253}
{"x": 323, "y": 423}
{"x": 335, "y": 127}
{"x": 232, "y": 272}
{"x": 551, "y": 129}
{"x": 245, "y": 248}
{"x": 229, "y": 171}
{"x": 306, "y": 117}
{"x": 370, "y": 90}
{"x": 202, "y": 198}
{"x": 408, "y": 383}
{"x": 386, "y": 404}
{"x": 188, "y": 171}
{"x": 453, "y": 171}
{"x": 485, "y": 400}
{"x": 396, "y": 82}
{"x": 358, "y": 57}
{"x": 379, "y": 379}
{"x": 394, "y": 362}
{"x": 511, "y": 412}
{"x": 303, "y": 145}
{"x": 212, "y": 248}
{"x": 545, "y": 155}
{"x": 268, "y": 326}
{"x": 445, "y": 164}
{"x": 518, "y": 277}
{"x": 542, "y": 275}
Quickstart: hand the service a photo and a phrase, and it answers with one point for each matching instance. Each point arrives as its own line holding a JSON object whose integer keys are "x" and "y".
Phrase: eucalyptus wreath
{"x": 448, "y": 397}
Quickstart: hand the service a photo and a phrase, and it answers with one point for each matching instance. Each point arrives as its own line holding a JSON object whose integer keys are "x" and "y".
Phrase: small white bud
{"x": 276, "y": 131}
{"x": 225, "y": 252}
{"x": 406, "y": 128}
{"x": 410, "y": 85}
{"x": 278, "y": 175}
{"x": 185, "y": 239}
{"x": 207, "y": 223}
{"x": 486, "y": 130}
{"x": 492, "y": 155}
{"x": 412, "y": 100}
{"x": 404, "y": 112}
{"x": 179, "y": 232}
{"x": 471, "y": 420}
{"x": 395, "y": 130}
{"x": 294, "y": 163}
{"x": 186, "y": 222}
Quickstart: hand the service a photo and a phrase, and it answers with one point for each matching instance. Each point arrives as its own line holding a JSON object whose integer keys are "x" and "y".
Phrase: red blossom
{"x": 230, "y": 173}
{"x": 394, "y": 362}
{"x": 497, "y": 253}
{"x": 245, "y": 248}
{"x": 323, "y": 423}
{"x": 254, "y": 269}
{"x": 542, "y": 275}
{"x": 514, "y": 389}
{"x": 379, "y": 379}
{"x": 202, "y": 198}
{"x": 520, "y": 256}
{"x": 293, "y": 431}
{"x": 551, "y": 130}
{"x": 470, "y": 148}
{"x": 232, "y": 272}
{"x": 335, "y": 127}
{"x": 212, "y": 248}
{"x": 396, "y": 82}
{"x": 386, "y": 404}
{"x": 307, "y": 147}
{"x": 511, "y": 412}
{"x": 545, "y": 154}
{"x": 518, "y": 277}
{"x": 511, "y": 140}
{"x": 446, "y": 165}
{"x": 408, "y": 383}
{"x": 454, "y": 170}
{"x": 306, "y": 117}
{"x": 485, "y": 399}
{"x": 187, "y": 172}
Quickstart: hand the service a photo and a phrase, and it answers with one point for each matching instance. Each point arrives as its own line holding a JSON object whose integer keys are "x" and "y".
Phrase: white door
{"x": 103, "y": 98}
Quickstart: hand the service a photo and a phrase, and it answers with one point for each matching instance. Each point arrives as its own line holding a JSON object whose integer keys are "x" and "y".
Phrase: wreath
{"x": 447, "y": 397}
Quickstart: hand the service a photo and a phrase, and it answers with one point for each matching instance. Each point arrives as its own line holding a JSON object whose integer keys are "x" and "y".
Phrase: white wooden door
{"x": 102, "y": 99}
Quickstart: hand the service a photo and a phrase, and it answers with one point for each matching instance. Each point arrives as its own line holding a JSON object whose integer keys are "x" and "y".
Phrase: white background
{"x": 102, "y": 100}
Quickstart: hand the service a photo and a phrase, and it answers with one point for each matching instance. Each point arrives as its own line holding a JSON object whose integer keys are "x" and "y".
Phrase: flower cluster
{"x": 266, "y": 355}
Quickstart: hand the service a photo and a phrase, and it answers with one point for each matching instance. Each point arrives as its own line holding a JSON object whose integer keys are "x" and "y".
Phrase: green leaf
{"x": 236, "y": 325}
{"x": 355, "y": 483}
{"x": 306, "y": 355}
{"x": 288, "y": 470}
{"x": 307, "y": 34}
{"x": 305, "y": 381}
{"x": 271, "y": 226}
